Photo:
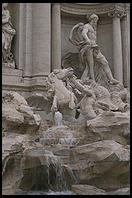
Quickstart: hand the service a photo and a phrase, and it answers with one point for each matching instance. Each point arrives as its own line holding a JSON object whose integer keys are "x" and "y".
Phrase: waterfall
{"x": 54, "y": 161}
{"x": 72, "y": 175}
{"x": 5, "y": 163}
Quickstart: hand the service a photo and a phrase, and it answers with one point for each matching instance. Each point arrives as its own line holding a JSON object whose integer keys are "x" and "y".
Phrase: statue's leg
{"x": 90, "y": 62}
{"x": 102, "y": 60}
{"x": 85, "y": 73}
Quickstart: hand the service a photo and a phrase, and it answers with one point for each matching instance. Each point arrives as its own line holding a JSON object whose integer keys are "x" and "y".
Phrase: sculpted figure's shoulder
{"x": 87, "y": 26}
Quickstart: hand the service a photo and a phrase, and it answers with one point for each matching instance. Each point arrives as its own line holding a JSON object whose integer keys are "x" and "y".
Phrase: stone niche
{"x": 14, "y": 9}
{"x": 104, "y": 34}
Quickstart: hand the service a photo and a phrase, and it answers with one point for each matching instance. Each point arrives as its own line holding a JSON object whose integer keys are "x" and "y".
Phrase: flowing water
{"x": 54, "y": 161}
{"x": 58, "y": 135}
{"x": 4, "y": 167}
{"x": 51, "y": 192}
{"x": 59, "y": 186}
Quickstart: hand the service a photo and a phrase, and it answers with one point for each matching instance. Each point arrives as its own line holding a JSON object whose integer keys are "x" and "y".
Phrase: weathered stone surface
{"x": 13, "y": 143}
{"x": 17, "y": 116}
{"x": 109, "y": 126}
{"x": 19, "y": 152}
{"x": 122, "y": 191}
{"x": 83, "y": 189}
{"x": 13, "y": 146}
{"x": 87, "y": 190}
{"x": 104, "y": 164}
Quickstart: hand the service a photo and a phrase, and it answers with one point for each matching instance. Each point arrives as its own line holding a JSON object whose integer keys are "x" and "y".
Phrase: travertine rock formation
{"x": 87, "y": 190}
{"x": 104, "y": 164}
{"x": 17, "y": 116}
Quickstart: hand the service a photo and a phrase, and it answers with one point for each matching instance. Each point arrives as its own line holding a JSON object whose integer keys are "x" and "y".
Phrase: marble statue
{"x": 95, "y": 99}
{"x": 8, "y": 33}
{"x": 64, "y": 91}
{"x": 120, "y": 97}
{"x": 69, "y": 98}
{"x": 63, "y": 99}
{"x": 84, "y": 36}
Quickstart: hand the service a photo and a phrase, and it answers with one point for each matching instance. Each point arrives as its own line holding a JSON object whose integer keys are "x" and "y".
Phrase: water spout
{"x": 58, "y": 119}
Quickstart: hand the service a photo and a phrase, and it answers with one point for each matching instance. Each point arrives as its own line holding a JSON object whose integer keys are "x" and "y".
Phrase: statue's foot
{"x": 113, "y": 81}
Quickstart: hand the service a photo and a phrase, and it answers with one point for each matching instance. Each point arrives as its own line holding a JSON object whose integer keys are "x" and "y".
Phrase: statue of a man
{"x": 8, "y": 33}
{"x": 88, "y": 47}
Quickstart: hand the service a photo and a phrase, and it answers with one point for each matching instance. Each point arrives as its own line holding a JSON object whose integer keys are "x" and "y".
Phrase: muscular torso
{"x": 91, "y": 33}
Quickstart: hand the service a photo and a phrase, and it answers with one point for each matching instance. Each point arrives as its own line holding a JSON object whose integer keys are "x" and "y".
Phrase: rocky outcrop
{"x": 13, "y": 146}
{"x": 87, "y": 190}
{"x": 109, "y": 126}
{"x": 89, "y": 158}
{"x": 104, "y": 164}
{"x": 29, "y": 165}
{"x": 92, "y": 190}
{"x": 122, "y": 191}
{"x": 17, "y": 116}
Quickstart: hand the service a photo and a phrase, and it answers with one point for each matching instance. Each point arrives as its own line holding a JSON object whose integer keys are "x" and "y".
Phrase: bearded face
{"x": 4, "y": 5}
{"x": 93, "y": 22}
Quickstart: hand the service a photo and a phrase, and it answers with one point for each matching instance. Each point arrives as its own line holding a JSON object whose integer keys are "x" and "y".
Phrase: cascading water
{"x": 5, "y": 164}
{"x": 71, "y": 174}
{"x": 56, "y": 170}
{"x": 54, "y": 162}
{"x": 50, "y": 192}
{"x": 56, "y": 185}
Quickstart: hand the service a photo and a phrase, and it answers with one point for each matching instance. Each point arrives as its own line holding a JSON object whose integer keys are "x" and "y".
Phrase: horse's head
{"x": 62, "y": 74}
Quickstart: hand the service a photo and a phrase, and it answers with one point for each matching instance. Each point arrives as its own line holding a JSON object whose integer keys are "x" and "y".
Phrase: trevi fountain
{"x": 65, "y": 99}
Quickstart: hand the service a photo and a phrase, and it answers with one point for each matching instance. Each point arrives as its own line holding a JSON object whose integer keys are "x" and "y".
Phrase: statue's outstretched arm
{"x": 80, "y": 87}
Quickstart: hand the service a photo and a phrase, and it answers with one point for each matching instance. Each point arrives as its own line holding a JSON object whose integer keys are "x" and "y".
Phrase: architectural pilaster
{"x": 41, "y": 40}
{"x": 117, "y": 44}
{"x": 125, "y": 50}
{"x": 22, "y": 28}
{"x": 28, "y": 54}
{"x": 56, "y": 36}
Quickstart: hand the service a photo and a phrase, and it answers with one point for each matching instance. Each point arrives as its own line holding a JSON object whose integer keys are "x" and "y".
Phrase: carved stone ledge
{"x": 80, "y": 9}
